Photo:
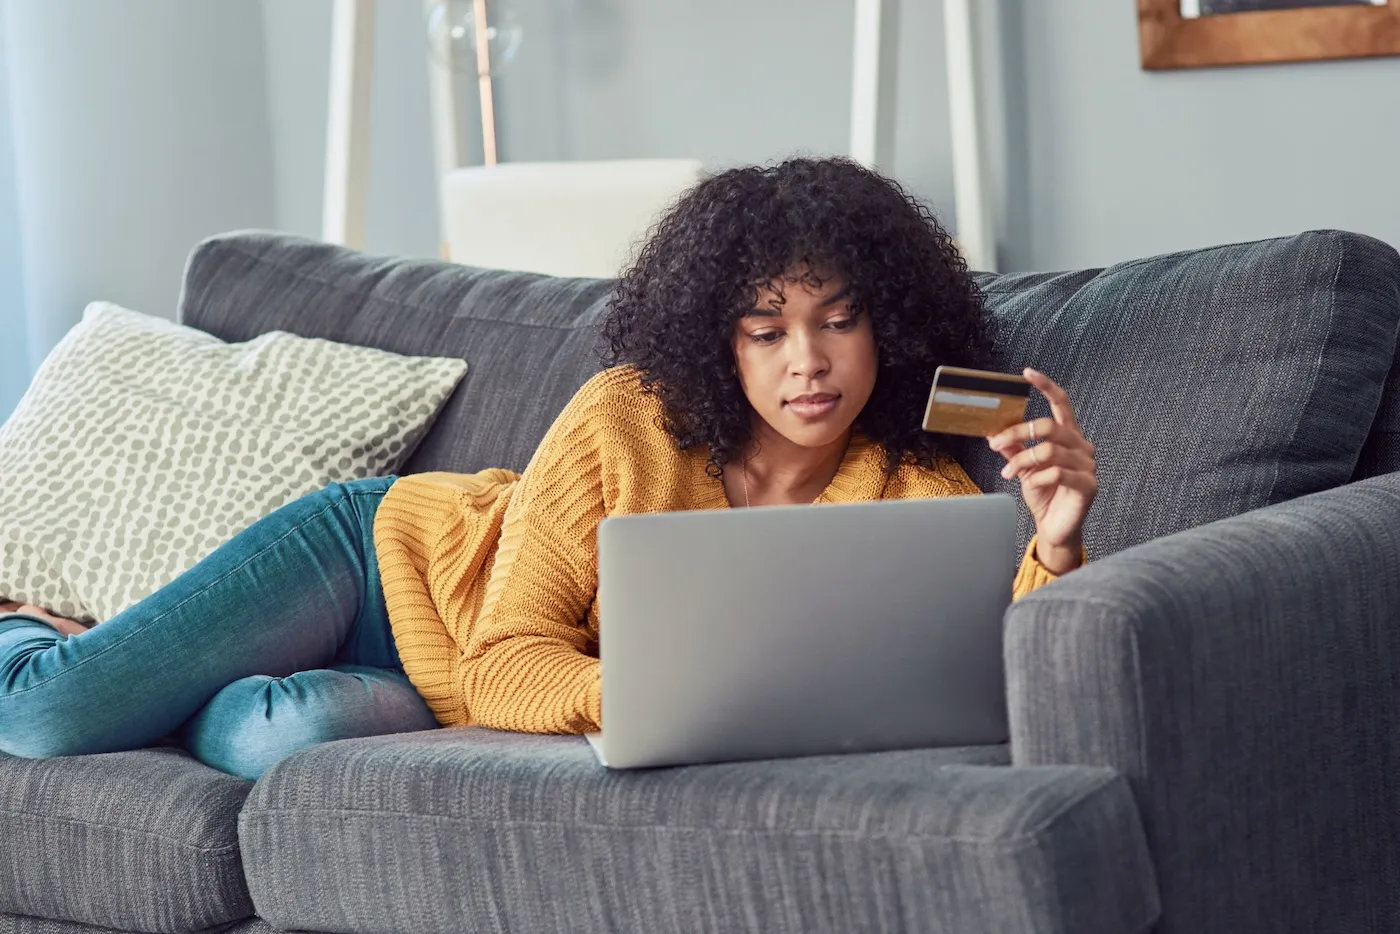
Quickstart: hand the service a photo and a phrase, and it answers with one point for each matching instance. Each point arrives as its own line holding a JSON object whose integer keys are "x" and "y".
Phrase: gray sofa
{"x": 1203, "y": 722}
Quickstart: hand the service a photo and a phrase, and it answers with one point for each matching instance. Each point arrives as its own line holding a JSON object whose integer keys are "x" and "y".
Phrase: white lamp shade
{"x": 559, "y": 218}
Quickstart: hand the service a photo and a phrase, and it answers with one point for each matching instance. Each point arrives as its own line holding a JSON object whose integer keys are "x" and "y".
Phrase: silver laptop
{"x": 801, "y": 630}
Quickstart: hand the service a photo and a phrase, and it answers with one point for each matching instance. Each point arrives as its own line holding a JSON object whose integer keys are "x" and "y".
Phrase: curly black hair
{"x": 675, "y": 309}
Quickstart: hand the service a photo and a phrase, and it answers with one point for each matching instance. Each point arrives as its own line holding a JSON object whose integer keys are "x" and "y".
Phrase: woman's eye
{"x": 764, "y": 337}
{"x": 843, "y": 324}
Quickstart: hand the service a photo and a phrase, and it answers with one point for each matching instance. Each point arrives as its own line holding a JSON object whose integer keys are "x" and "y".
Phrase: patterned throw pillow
{"x": 143, "y": 445}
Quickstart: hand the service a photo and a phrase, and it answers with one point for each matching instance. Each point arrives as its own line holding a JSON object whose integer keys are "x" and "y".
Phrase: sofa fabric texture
{"x": 27, "y": 924}
{"x": 1381, "y": 455}
{"x": 1212, "y": 382}
{"x": 141, "y": 841}
{"x": 356, "y": 837}
{"x": 1199, "y": 663}
{"x": 30, "y": 924}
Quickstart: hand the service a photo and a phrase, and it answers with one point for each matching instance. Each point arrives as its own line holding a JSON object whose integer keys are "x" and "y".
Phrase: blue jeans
{"x": 276, "y": 641}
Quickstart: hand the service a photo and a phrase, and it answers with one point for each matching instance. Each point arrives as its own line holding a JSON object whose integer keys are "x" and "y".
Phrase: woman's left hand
{"x": 1058, "y": 480}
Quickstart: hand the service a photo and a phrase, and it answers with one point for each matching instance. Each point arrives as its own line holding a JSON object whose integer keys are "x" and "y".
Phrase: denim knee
{"x": 257, "y": 721}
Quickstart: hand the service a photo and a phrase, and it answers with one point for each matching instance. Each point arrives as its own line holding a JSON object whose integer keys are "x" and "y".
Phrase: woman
{"x": 773, "y": 343}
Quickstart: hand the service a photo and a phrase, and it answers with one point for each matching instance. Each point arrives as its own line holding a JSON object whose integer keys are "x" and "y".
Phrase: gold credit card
{"x": 975, "y": 402}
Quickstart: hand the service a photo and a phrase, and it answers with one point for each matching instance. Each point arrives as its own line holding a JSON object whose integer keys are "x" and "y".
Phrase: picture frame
{"x": 1168, "y": 40}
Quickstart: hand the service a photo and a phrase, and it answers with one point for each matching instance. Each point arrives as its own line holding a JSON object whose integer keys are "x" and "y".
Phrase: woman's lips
{"x": 813, "y": 406}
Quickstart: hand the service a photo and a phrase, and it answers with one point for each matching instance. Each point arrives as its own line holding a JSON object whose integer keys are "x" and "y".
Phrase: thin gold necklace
{"x": 746, "y": 484}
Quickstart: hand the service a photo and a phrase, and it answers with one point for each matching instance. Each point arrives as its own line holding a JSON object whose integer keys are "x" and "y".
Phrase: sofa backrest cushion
{"x": 528, "y": 339}
{"x": 1213, "y": 381}
{"x": 1381, "y": 454}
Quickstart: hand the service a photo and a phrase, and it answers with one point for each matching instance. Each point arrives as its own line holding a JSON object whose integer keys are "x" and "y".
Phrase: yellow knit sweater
{"x": 491, "y": 578}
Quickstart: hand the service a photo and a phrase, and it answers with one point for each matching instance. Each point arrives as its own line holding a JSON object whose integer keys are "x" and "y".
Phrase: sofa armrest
{"x": 1245, "y": 677}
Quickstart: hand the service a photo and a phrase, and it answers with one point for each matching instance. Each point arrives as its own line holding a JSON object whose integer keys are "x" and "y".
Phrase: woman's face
{"x": 806, "y": 360}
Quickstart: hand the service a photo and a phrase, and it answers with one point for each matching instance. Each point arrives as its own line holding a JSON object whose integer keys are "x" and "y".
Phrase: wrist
{"x": 1060, "y": 557}
{"x": 593, "y": 698}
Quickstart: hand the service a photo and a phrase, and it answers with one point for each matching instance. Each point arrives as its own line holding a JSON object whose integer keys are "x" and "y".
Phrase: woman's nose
{"x": 808, "y": 359}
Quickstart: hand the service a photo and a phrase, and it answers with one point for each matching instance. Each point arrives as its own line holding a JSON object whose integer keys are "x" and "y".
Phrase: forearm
{"x": 534, "y": 684}
{"x": 1060, "y": 559}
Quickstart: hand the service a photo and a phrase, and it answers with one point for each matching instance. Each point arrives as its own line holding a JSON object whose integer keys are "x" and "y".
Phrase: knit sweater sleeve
{"x": 1032, "y": 574}
{"x": 526, "y": 666}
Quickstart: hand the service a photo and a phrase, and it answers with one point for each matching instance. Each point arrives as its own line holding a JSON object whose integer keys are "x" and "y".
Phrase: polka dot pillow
{"x": 143, "y": 445}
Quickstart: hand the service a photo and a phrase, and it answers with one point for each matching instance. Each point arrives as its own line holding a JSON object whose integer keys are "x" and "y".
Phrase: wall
{"x": 1107, "y": 162}
{"x": 138, "y": 128}
{"x": 402, "y": 207}
{"x": 14, "y": 366}
{"x": 164, "y": 121}
{"x": 726, "y": 81}
{"x": 1091, "y": 160}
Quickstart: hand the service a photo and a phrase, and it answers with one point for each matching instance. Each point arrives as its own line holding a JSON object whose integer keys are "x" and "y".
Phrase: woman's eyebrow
{"x": 840, "y": 296}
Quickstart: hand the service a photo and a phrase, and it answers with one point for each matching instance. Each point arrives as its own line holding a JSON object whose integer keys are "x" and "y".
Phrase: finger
{"x": 1057, "y": 479}
{"x": 1047, "y": 455}
{"x": 1010, "y": 450}
{"x": 1059, "y": 399}
{"x": 1081, "y": 482}
{"x": 1044, "y": 430}
{"x": 1067, "y": 436}
{"x": 1073, "y": 460}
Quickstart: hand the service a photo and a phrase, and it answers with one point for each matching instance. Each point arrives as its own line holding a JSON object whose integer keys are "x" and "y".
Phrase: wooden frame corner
{"x": 1309, "y": 34}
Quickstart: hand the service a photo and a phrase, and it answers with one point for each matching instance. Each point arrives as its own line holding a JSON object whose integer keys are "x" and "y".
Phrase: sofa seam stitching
{"x": 1021, "y": 840}
{"x": 1316, "y": 373}
{"x": 201, "y": 850}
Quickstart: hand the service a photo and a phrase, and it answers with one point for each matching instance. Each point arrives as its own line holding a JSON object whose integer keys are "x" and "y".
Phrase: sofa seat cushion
{"x": 140, "y": 841}
{"x": 1214, "y": 381}
{"x": 467, "y": 828}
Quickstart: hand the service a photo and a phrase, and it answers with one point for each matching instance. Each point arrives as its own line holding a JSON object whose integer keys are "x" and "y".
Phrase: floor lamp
{"x": 874, "y": 81}
{"x": 347, "y": 130}
{"x": 873, "y": 88}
